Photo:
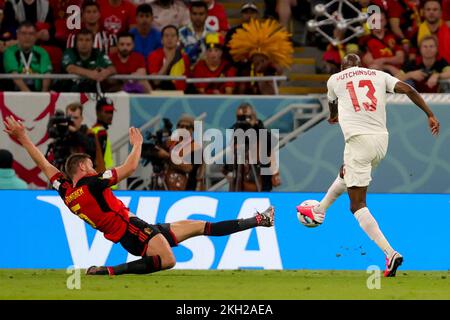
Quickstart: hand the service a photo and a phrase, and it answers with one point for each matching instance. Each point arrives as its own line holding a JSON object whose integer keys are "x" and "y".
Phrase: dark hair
{"x": 72, "y": 162}
{"x": 125, "y": 35}
{"x": 6, "y": 159}
{"x": 104, "y": 101}
{"x": 199, "y": 4}
{"x": 89, "y": 3}
{"x": 84, "y": 32}
{"x": 26, "y": 24}
{"x": 144, "y": 8}
{"x": 426, "y": 1}
{"x": 168, "y": 27}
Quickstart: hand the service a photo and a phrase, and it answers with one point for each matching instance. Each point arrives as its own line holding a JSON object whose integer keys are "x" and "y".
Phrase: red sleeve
{"x": 198, "y": 72}
{"x": 131, "y": 13}
{"x": 106, "y": 179}
{"x": 56, "y": 176}
{"x": 394, "y": 10}
{"x": 187, "y": 64}
{"x": 231, "y": 72}
{"x": 446, "y": 9}
{"x": 154, "y": 62}
{"x": 223, "y": 20}
{"x": 138, "y": 60}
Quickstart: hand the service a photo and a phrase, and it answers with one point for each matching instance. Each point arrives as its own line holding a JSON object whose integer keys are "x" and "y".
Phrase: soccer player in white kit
{"x": 357, "y": 101}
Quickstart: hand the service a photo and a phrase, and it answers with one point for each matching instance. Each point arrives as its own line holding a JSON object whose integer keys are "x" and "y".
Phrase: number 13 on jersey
{"x": 372, "y": 106}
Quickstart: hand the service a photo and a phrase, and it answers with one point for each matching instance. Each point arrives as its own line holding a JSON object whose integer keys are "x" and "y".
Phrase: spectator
{"x": 247, "y": 175}
{"x": 8, "y": 177}
{"x": 169, "y": 60}
{"x": 214, "y": 66}
{"x": 87, "y": 62}
{"x": 183, "y": 174}
{"x": 428, "y": 69}
{"x": 59, "y": 12}
{"x": 332, "y": 57}
{"x": 126, "y": 61}
{"x": 103, "y": 153}
{"x": 434, "y": 25}
{"x": 266, "y": 48}
{"x": 259, "y": 65}
{"x": 383, "y": 52}
{"x": 7, "y": 33}
{"x": 284, "y": 11}
{"x": 117, "y": 15}
{"x": 170, "y": 12}
{"x": 404, "y": 19}
{"x": 249, "y": 11}
{"x": 27, "y": 58}
{"x": 90, "y": 19}
{"x": 35, "y": 11}
{"x": 192, "y": 36}
{"x": 363, "y": 6}
{"x": 146, "y": 38}
{"x": 217, "y": 17}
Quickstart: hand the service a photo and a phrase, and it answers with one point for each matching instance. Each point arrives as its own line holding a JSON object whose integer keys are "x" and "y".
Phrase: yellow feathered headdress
{"x": 264, "y": 37}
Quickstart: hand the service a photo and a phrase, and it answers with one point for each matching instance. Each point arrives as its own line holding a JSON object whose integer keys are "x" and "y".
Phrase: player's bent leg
{"x": 158, "y": 246}
{"x": 141, "y": 239}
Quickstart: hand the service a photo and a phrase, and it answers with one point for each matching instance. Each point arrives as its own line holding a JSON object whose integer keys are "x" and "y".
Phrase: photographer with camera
{"x": 247, "y": 176}
{"x": 170, "y": 174}
{"x": 69, "y": 135}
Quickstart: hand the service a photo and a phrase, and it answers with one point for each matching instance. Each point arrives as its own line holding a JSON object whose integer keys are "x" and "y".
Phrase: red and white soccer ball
{"x": 308, "y": 220}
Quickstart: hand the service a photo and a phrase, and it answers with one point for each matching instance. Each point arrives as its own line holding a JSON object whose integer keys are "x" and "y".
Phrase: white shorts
{"x": 363, "y": 153}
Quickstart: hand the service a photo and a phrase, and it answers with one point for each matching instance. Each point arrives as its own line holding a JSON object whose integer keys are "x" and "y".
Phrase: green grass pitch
{"x": 224, "y": 285}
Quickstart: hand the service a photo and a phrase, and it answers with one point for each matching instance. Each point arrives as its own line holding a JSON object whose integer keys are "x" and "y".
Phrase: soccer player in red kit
{"x": 88, "y": 195}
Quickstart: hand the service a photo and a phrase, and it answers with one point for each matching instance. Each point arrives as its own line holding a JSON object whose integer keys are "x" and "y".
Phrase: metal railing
{"x": 274, "y": 79}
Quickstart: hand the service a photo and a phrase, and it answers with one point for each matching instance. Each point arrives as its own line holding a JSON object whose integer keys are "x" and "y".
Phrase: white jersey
{"x": 361, "y": 96}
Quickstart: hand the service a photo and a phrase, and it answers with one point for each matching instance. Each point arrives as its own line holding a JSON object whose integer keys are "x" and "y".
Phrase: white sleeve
{"x": 331, "y": 94}
{"x": 390, "y": 82}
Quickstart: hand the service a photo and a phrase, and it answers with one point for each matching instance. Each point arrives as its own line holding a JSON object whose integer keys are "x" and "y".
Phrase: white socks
{"x": 370, "y": 227}
{"x": 337, "y": 188}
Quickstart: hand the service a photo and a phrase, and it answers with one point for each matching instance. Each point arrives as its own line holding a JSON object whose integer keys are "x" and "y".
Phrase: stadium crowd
{"x": 411, "y": 42}
{"x": 191, "y": 38}
{"x": 164, "y": 37}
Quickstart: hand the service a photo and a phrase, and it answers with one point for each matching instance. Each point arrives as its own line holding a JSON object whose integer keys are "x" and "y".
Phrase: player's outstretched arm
{"x": 131, "y": 163}
{"x": 17, "y": 130}
{"x": 402, "y": 87}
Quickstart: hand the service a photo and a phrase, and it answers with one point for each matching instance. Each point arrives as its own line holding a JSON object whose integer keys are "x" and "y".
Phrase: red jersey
{"x": 380, "y": 48}
{"x": 446, "y": 10}
{"x": 93, "y": 201}
{"x": 155, "y": 61}
{"x": 201, "y": 70}
{"x": 408, "y": 13}
{"x": 117, "y": 19}
{"x": 217, "y": 18}
{"x": 135, "y": 61}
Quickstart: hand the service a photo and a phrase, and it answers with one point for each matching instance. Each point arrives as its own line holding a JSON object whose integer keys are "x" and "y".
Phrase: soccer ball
{"x": 307, "y": 220}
